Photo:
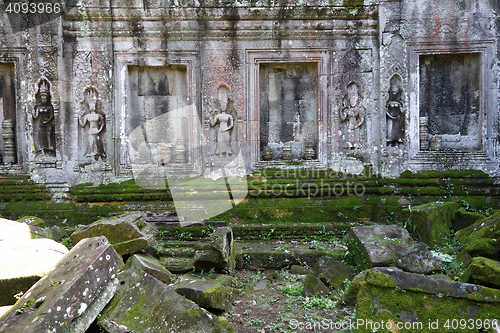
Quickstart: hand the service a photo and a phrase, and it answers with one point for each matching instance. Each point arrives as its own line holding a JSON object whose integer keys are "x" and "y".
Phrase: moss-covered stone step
{"x": 277, "y": 231}
{"x": 283, "y": 254}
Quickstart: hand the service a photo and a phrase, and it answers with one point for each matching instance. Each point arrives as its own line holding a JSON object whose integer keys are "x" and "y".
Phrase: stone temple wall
{"x": 96, "y": 87}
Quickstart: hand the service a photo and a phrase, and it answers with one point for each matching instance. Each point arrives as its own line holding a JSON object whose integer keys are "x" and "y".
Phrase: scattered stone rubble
{"x": 91, "y": 282}
{"x": 395, "y": 285}
{"x": 398, "y": 294}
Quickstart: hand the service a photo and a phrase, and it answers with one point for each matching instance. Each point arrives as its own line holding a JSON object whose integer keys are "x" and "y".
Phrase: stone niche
{"x": 288, "y": 111}
{"x": 7, "y": 114}
{"x": 450, "y": 91}
{"x": 155, "y": 94}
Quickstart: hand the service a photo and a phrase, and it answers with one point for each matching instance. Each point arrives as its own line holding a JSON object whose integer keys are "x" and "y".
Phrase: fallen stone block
{"x": 482, "y": 239}
{"x": 134, "y": 310}
{"x": 419, "y": 259}
{"x": 377, "y": 245}
{"x": 12, "y": 230}
{"x": 430, "y": 222}
{"x": 123, "y": 233}
{"x": 333, "y": 272}
{"x": 483, "y": 271}
{"x": 71, "y": 295}
{"x": 209, "y": 294}
{"x": 464, "y": 219}
{"x": 314, "y": 287}
{"x": 151, "y": 266}
{"x": 24, "y": 262}
{"x": 215, "y": 252}
{"x": 387, "y": 296}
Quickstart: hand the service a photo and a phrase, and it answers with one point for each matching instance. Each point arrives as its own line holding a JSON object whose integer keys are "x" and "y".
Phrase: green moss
{"x": 195, "y": 312}
{"x": 377, "y": 304}
{"x": 225, "y": 324}
{"x": 380, "y": 279}
{"x": 136, "y": 310}
{"x": 351, "y": 4}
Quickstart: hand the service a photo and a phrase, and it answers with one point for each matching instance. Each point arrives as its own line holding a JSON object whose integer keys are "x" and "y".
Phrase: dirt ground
{"x": 273, "y": 302}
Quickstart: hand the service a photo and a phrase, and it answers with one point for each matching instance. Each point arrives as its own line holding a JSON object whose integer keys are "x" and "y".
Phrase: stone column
{"x": 424, "y": 134}
{"x": 9, "y": 149}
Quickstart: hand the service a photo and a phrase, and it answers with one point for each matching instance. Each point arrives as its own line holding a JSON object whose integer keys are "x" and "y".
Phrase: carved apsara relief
{"x": 222, "y": 117}
{"x": 395, "y": 114}
{"x": 352, "y": 117}
{"x": 93, "y": 121}
{"x": 43, "y": 115}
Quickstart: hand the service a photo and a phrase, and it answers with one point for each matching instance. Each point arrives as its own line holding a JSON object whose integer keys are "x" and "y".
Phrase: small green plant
{"x": 356, "y": 208}
{"x": 269, "y": 235}
{"x": 208, "y": 230}
{"x": 470, "y": 208}
{"x": 25, "y": 306}
{"x": 246, "y": 258}
{"x": 318, "y": 302}
{"x": 185, "y": 236}
{"x": 292, "y": 289}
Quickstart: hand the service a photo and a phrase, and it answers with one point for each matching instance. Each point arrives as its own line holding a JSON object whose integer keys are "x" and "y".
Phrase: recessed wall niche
{"x": 154, "y": 92}
{"x": 288, "y": 111}
{"x": 7, "y": 112}
{"x": 450, "y": 91}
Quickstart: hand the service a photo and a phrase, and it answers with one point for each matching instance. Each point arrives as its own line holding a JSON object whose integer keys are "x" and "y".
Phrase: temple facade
{"x": 100, "y": 91}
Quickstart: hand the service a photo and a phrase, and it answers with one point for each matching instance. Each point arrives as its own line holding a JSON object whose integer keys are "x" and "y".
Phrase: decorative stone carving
{"x": 287, "y": 151}
{"x": 352, "y": 115}
{"x": 44, "y": 113}
{"x": 92, "y": 116}
{"x": 395, "y": 113}
{"x": 267, "y": 154}
{"x": 424, "y": 134}
{"x": 180, "y": 150}
{"x": 436, "y": 142}
{"x": 221, "y": 116}
{"x": 309, "y": 145}
{"x": 9, "y": 149}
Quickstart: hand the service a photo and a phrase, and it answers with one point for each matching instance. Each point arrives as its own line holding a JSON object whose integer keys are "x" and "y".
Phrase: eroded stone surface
{"x": 314, "y": 287}
{"x": 430, "y": 222}
{"x": 151, "y": 266}
{"x": 464, "y": 219}
{"x": 333, "y": 272}
{"x": 378, "y": 245}
{"x": 391, "y": 294}
{"x": 484, "y": 271}
{"x": 134, "y": 309}
{"x": 122, "y": 232}
{"x": 210, "y": 294}
{"x": 419, "y": 259}
{"x": 482, "y": 238}
{"x": 57, "y": 300}
{"x": 216, "y": 252}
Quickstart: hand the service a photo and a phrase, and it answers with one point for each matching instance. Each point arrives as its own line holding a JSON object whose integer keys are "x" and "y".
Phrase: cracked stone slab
{"x": 71, "y": 295}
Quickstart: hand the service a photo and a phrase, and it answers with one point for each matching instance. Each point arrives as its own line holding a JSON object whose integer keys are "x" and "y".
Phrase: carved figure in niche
{"x": 96, "y": 121}
{"x": 45, "y": 111}
{"x": 352, "y": 115}
{"x": 222, "y": 110}
{"x": 395, "y": 113}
